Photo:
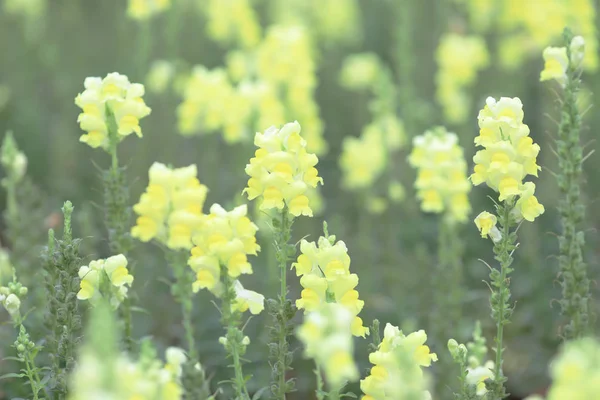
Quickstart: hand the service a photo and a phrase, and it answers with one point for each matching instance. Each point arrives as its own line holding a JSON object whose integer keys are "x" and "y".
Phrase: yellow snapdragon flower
{"x": 327, "y": 338}
{"x": 107, "y": 102}
{"x": 247, "y": 299}
{"x": 556, "y": 62}
{"x": 99, "y": 377}
{"x": 282, "y": 170}
{"x": 170, "y": 210}
{"x": 145, "y": 9}
{"x": 324, "y": 268}
{"x": 509, "y": 154}
{"x": 226, "y": 238}
{"x": 486, "y": 223}
{"x": 398, "y": 359}
{"x": 459, "y": 59}
{"x": 478, "y": 375}
{"x": 442, "y": 184}
{"x": 106, "y": 278}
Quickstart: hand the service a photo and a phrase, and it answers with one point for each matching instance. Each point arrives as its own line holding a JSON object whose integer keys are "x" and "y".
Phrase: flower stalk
{"x": 281, "y": 310}
{"x": 500, "y": 298}
{"x": 234, "y": 341}
{"x": 183, "y": 294}
{"x": 573, "y": 269}
{"x": 117, "y": 214}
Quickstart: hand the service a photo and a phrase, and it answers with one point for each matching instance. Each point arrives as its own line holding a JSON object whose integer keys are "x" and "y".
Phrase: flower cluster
{"x": 282, "y": 170}
{"x": 325, "y": 271}
{"x": 273, "y": 82}
{"x": 112, "y": 109}
{"x": 556, "y": 62}
{"x": 575, "y": 371}
{"x": 525, "y": 28}
{"x": 145, "y": 9}
{"x": 99, "y": 377}
{"x": 170, "y": 210}
{"x": 226, "y": 238}
{"x": 397, "y": 365}
{"x": 105, "y": 278}
{"x": 459, "y": 59}
{"x": 326, "y": 335}
{"x": 360, "y": 71}
{"x": 442, "y": 184}
{"x": 509, "y": 155}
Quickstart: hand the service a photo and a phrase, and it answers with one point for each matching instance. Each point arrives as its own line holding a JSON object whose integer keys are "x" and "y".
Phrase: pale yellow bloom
{"x": 145, "y": 9}
{"x": 556, "y": 64}
{"x": 486, "y": 223}
{"x": 105, "y": 278}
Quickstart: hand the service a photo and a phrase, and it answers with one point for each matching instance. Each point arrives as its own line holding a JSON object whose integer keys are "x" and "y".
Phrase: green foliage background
{"x": 44, "y": 63}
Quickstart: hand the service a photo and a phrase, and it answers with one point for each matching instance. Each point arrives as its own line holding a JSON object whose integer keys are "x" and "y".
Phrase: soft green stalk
{"x": 282, "y": 311}
{"x": 447, "y": 292}
{"x": 500, "y": 297}
{"x": 117, "y": 214}
{"x": 405, "y": 60}
{"x": 62, "y": 262}
{"x": 144, "y": 47}
{"x": 459, "y": 354}
{"x": 234, "y": 336}
{"x": 573, "y": 270}
{"x": 27, "y": 352}
{"x": 320, "y": 393}
{"x": 183, "y": 294}
{"x": 194, "y": 382}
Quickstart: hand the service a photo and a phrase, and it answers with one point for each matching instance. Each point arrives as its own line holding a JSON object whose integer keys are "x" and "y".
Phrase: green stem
{"x": 182, "y": 292}
{"x": 281, "y": 310}
{"x": 320, "y": 389}
{"x": 501, "y": 310}
{"x": 117, "y": 215}
{"x": 234, "y": 336}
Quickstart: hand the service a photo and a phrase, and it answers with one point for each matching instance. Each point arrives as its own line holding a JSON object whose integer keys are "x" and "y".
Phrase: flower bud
{"x": 12, "y": 304}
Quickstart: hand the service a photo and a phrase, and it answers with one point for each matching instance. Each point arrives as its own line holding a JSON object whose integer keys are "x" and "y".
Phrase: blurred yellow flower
{"x": 442, "y": 184}
{"x": 326, "y": 335}
{"x": 556, "y": 64}
{"x": 170, "y": 210}
{"x": 145, "y": 9}
{"x": 232, "y": 21}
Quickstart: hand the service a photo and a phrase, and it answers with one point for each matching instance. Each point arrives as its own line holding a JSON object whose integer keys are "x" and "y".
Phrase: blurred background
{"x": 378, "y": 71}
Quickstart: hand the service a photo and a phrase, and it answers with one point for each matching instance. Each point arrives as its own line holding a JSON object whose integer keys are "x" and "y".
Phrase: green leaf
{"x": 259, "y": 393}
{"x": 12, "y": 375}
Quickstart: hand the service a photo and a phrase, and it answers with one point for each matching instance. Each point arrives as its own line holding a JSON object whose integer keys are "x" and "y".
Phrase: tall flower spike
{"x": 282, "y": 171}
{"x": 170, "y": 210}
{"x": 107, "y": 102}
{"x": 509, "y": 154}
{"x": 442, "y": 184}
{"x": 326, "y": 277}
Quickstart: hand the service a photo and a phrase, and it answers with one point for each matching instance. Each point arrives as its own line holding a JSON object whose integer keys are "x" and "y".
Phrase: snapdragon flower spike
{"x": 110, "y": 97}
{"x": 324, "y": 268}
{"x": 114, "y": 272}
{"x": 397, "y": 356}
{"x": 282, "y": 171}
{"x": 327, "y": 338}
{"x": 226, "y": 238}
{"x": 442, "y": 184}
{"x": 509, "y": 154}
{"x": 170, "y": 210}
